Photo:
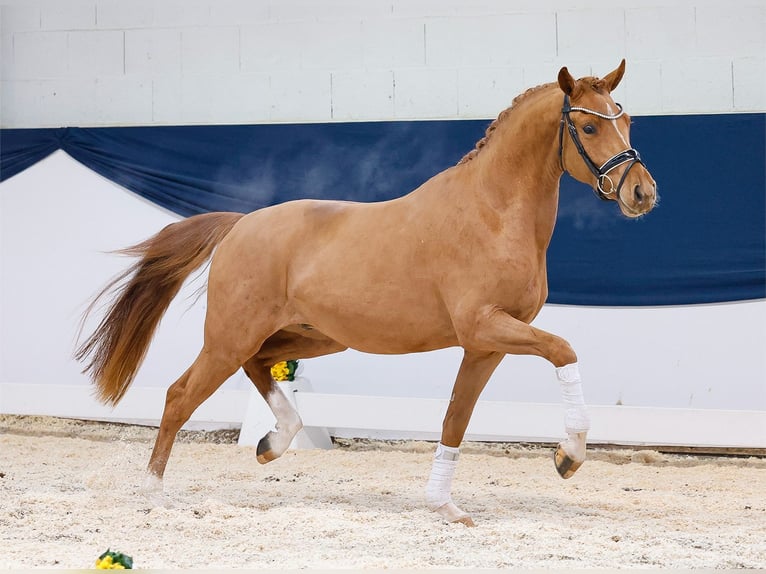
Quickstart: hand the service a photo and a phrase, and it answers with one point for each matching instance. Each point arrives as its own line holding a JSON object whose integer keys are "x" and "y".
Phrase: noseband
{"x": 629, "y": 156}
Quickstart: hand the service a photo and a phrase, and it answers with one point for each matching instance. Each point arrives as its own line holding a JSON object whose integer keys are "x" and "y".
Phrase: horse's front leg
{"x": 472, "y": 377}
{"x": 492, "y": 328}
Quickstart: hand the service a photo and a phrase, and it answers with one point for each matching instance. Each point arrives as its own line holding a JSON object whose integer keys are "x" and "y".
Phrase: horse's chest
{"x": 522, "y": 291}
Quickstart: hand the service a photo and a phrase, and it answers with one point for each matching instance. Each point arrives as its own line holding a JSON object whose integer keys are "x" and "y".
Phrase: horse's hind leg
{"x": 282, "y": 346}
{"x": 201, "y": 379}
{"x": 275, "y": 443}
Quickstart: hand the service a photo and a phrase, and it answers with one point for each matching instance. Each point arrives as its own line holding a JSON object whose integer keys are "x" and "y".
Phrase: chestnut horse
{"x": 460, "y": 261}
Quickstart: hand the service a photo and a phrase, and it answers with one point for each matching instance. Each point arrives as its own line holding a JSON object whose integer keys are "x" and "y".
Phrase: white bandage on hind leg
{"x": 440, "y": 482}
{"x": 577, "y": 419}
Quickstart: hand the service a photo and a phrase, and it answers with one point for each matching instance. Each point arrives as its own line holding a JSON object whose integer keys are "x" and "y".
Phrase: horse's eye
{"x": 589, "y": 129}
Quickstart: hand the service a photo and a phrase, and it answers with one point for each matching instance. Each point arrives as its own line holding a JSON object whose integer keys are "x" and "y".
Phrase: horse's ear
{"x": 613, "y": 78}
{"x": 566, "y": 81}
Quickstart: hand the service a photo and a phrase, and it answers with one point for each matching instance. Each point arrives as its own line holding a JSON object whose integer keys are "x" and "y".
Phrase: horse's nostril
{"x": 637, "y": 193}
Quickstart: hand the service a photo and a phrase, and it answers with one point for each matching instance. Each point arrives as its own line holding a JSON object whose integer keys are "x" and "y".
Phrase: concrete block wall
{"x": 144, "y": 62}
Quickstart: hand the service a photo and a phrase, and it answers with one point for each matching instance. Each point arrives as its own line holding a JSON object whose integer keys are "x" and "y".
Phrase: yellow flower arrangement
{"x": 114, "y": 561}
{"x": 284, "y": 371}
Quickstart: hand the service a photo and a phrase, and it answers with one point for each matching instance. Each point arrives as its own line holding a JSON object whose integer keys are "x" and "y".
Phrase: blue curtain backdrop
{"x": 706, "y": 242}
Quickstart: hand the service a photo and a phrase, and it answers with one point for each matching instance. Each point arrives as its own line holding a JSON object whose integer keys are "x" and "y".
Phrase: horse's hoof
{"x": 565, "y": 465}
{"x": 454, "y": 515}
{"x": 264, "y": 453}
{"x": 266, "y": 457}
{"x": 467, "y": 520}
{"x": 154, "y": 493}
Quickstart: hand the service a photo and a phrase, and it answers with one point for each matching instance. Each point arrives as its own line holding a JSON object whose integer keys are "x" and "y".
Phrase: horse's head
{"x": 594, "y": 143}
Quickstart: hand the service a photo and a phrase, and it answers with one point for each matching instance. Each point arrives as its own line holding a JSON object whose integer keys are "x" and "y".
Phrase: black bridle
{"x": 629, "y": 156}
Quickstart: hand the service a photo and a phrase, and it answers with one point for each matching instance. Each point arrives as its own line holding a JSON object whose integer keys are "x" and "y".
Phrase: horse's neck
{"x": 517, "y": 173}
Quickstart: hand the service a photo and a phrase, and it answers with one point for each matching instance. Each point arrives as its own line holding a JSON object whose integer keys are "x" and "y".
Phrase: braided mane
{"x": 502, "y": 116}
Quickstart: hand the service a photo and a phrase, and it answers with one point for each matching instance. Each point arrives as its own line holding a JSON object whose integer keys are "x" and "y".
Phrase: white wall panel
{"x": 259, "y": 52}
{"x": 38, "y": 55}
{"x": 71, "y": 15}
{"x": 132, "y": 94}
{"x": 20, "y": 100}
{"x": 300, "y": 96}
{"x": 656, "y": 32}
{"x": 489, "y": 88}
{"x": 312, "y": 10}
{"x": 181, "y": 13}
{"x": 749, "y": 83}
{"x": 641, "y": 89}
{"x": 152, "y": 52}
{"x": 502, "y": 40}
{"x": 66, "y": 102}
{"x": 587, "y": 34}
{"x": 116, "y": 14}
{"x": 245, "y": 98}
{"x": 210, "y": 50}
{"x": 94, "y": 54}
{"x": 358, "y": 95}
{"x": 393, "y": 43}
{"x": 666, "y": 42}
{"x": 735, "y": 28}
{"x": 425, "y": 93}
{"x": 694, "y": 85}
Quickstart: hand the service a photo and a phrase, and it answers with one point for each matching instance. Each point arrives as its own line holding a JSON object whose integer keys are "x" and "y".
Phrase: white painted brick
{"x": 210, "y": 50}
{"x": 13, "y": 19}
{"x": 363, "y": 95}
{"x": 328, "y": 9}
{"x": 319, "y": 45}
{"x": 302, "y": 96}
{"x": 332, "y": 44}
{"x": 7, "y": 67}
{"x": 20, "y": 104}
{"x": 69, "y": 15}
{"x": 67, "y": 102}
{"x": 19, "y": 18}
{"x": 218, "y": 99}
{"x": 123, "y": 100}
{"x": 247, "y": 97}
{"x": 425, "y": 93}
{"x": 393, "y": 43}
{"x": 167, "y": 102}
{"x": 484, "y": 93}
{"x": 238, "y": 12}
{"x": 272, "y": 46}
{"x": 463, "y": 9}
{"x": 40, "y": 55}
{"x": 153, "y": 51}
{"x": 750, "y": 84}
{"x": 181, "y": 13}
{"x": 642, "y": 88}
{"x": 121, "y": 14}
{"x": 544, "y": 73}
{"x": 96, "y": 53}
{"x": 699, "y": 85}
{"x": 731, "y": 29}
{"x": 585, "y": 35}
{"x": 657, "y": 32}
{"x": 487, "y": 41}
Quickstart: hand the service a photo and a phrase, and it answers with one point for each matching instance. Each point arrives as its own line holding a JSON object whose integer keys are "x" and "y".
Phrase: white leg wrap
{"x": 577, "y": 419}
{"x": 288, "y": 421}
{"x": 440, "y": 482}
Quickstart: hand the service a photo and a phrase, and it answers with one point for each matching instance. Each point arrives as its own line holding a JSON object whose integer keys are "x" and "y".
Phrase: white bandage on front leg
{"x": 577, "y": 419}
{"x": 440, "y": 482}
